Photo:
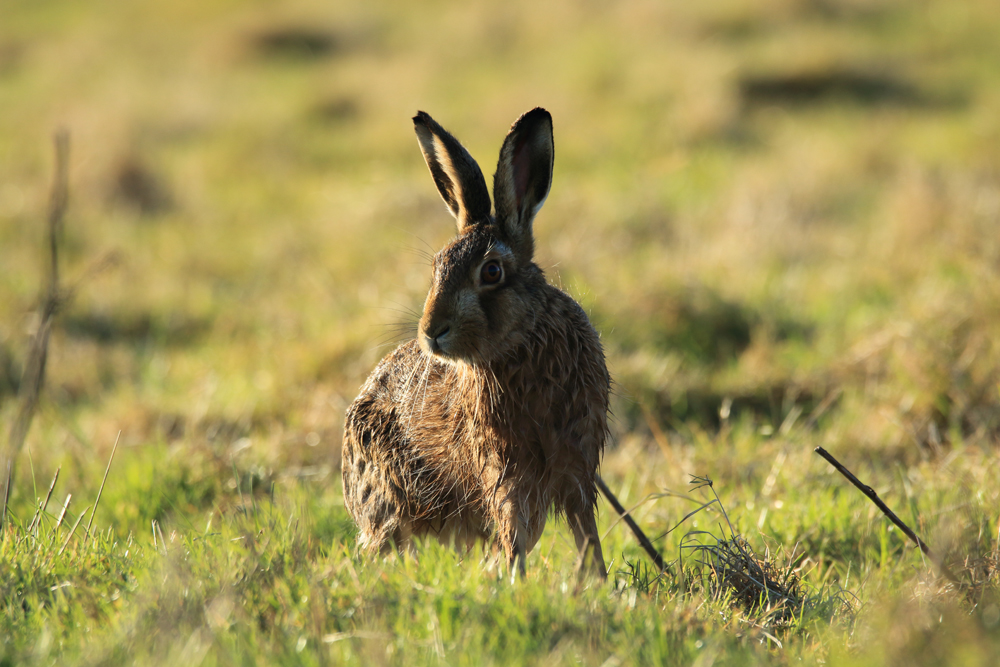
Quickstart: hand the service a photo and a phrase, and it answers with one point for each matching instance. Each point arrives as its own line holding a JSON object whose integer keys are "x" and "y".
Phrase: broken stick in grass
{"x": 870, "y": 492}
{"x": 639, "y": 535}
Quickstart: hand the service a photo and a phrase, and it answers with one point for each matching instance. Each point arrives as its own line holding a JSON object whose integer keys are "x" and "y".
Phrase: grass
{"x": 781, "y": 215}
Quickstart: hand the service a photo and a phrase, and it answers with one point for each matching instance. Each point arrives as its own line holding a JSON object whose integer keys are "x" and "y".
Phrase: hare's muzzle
{"x": 436, "y": 341}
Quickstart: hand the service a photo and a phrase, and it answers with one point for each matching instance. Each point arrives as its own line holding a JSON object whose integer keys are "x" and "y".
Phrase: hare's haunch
{"x": 497, "y": 413}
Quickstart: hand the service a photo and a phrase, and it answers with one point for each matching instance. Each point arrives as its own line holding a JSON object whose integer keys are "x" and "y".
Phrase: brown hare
{"x": 497, "y": 412}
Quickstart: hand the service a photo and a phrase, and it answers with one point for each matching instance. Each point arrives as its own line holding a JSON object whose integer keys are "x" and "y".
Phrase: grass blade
{"x": 103, "y": 482}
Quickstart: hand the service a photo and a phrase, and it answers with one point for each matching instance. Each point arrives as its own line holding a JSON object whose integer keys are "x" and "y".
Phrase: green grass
{"x": 781, "y": 215}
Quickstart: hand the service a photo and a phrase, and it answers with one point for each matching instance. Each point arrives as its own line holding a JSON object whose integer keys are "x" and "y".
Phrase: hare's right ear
{"x": 457, "y": 176}
{"x": 523, "y": 177}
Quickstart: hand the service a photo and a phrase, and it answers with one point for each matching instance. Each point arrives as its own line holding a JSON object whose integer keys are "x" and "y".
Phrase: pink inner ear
{"x": 521, "y": 165}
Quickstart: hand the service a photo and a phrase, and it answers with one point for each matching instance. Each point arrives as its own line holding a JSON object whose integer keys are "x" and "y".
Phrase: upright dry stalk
{"x": 33, "y": 376}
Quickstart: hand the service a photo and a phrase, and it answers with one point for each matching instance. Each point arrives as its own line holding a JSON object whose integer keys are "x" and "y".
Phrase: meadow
{"x": 783, "y": 216}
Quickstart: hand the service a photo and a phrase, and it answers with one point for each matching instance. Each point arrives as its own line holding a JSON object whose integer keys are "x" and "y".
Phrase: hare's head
{"x": 485, "y": 287}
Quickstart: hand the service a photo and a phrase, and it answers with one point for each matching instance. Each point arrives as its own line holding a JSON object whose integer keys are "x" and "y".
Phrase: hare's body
{"x": 497, "y": 413}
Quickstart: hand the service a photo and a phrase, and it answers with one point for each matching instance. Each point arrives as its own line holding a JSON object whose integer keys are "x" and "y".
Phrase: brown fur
{"x": 496, "y": 414}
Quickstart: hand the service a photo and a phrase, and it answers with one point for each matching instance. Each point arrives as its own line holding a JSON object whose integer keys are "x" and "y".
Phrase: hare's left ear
{"x": 457, "y": 176}
{"x": 524, "y": 176}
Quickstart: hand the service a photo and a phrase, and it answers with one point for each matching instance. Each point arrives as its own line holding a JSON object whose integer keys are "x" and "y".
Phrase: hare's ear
{"x": 524, "y": 175}
{"x": 457, "y": 176}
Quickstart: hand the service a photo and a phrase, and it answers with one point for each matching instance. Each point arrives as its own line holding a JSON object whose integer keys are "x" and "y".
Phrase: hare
{"x": 497, "y": 412}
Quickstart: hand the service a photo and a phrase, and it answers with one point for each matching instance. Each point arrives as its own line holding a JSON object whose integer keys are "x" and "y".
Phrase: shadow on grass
{"x": 135, "y": 328}
{"x": 697, "y": 323}
{"x": 708, "y": 407}
{"x": 303, "y": 43}
{"x": 137, "y": 185}
{"x": 854, "y": 86}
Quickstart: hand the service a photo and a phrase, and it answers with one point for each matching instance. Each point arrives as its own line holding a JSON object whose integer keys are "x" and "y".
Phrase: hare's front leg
{"x": 512, "y": 535}
{"x": 510, "y": 531}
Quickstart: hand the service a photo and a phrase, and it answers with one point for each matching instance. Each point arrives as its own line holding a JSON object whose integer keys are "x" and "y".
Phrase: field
{"x": 783, "y": 217}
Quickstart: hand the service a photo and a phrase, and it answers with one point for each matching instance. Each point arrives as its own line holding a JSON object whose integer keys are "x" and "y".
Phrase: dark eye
{"x": 491, "y": 273}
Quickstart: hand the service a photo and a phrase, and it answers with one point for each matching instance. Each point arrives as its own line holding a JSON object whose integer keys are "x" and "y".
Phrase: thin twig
{"x": 870, "y": 492}
{"x": 101, "y": 490}
{"x": 58, "y": 204}
{"x": 639, "y": 535}
{"x": 33, "y": 376}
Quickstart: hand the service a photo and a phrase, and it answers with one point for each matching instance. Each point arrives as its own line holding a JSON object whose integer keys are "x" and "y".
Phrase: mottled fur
{"x": 497, "y": 413}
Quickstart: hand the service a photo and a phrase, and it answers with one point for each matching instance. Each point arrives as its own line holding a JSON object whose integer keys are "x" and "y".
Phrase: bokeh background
{"x": 782, "y": 215}
{"x": 762, "y": 201}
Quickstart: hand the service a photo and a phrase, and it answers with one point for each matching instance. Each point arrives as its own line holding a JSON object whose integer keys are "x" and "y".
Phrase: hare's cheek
{"x": 504, "y": 311}
{"x": 495, "y": 312}
{"x": 467, "y": 307}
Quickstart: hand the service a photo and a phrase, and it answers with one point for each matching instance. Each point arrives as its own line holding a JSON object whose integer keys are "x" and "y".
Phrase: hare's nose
{"x": 436, "y": 341}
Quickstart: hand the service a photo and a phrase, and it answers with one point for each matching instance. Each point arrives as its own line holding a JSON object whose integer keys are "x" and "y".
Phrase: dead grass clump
{"x": 769, "y": 592}
{"x": 754, "y": 583}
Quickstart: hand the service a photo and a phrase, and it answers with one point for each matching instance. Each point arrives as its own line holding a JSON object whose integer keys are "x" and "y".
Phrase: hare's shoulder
{"x": 565, "y": 315}
{"x": 375, "y": 413}
{"x": 395, "y": 374}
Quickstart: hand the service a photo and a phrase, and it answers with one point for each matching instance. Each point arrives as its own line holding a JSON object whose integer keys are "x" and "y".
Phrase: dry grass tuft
{"x": 770, "y": 593}
{"x": 754, "y": 582}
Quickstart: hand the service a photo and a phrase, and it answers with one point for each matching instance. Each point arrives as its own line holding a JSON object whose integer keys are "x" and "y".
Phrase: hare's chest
{"x": 542, "y": 426}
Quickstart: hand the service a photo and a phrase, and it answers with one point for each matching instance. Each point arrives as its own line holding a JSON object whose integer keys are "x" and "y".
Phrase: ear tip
{"x": 535, "y": 118}
{"x": 537, "y": 114}
{"x": 421, "y": 118}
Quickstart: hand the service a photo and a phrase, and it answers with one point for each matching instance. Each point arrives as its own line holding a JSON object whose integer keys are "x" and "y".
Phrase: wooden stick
{"x": 33, "y": 376}
{"x": 870, "y": 492}
{"x": 639, "y": 535}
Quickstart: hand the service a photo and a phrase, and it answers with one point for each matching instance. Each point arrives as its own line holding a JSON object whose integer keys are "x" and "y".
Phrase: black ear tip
{"x": 421, "y": 118}
{"x": 537, "y": 117}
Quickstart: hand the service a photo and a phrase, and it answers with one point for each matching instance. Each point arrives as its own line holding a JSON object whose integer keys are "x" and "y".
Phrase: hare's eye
{"x": 491, "y": 273}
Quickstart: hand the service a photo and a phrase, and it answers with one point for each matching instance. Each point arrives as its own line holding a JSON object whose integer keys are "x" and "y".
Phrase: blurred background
{"x": 779, "y": 214}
